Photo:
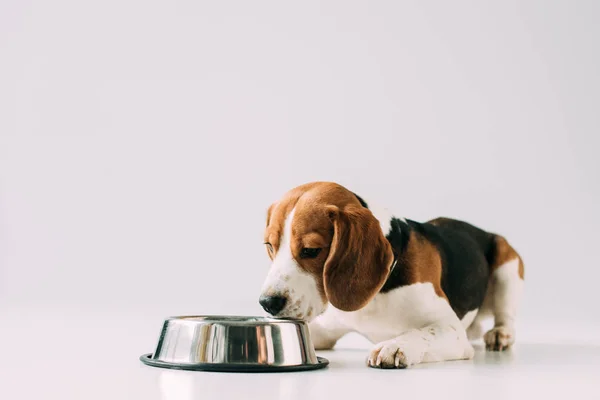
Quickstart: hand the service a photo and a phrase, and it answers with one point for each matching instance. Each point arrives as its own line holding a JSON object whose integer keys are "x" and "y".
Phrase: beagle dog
{"x": 419, "y": 291}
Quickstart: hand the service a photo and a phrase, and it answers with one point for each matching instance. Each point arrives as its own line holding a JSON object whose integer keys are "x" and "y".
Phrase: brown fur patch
{"x": 504, "y": 253}
{"x": 309, "y": 200}
{"x": 278, "y": 212}
{"x": 421, "y": 262}
{"x": 360, "y": 246}
{"x": 359, "y": 261}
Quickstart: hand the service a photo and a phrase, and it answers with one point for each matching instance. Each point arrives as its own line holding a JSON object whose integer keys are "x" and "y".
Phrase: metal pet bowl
{"x": 234, "y": 344}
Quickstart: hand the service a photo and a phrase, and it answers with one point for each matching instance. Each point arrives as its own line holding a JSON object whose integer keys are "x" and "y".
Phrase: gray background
{"x": 142, "y": 141}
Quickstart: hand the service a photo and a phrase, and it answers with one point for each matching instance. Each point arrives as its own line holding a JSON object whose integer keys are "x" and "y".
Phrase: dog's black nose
{"x": 272, "y": 304}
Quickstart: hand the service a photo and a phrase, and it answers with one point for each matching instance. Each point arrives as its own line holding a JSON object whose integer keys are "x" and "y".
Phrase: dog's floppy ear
{"x": 359, "y": 259}
{"x": 269, "y": 212}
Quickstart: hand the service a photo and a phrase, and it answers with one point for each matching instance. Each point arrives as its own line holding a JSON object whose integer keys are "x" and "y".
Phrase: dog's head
{"x": 326, "y": 248}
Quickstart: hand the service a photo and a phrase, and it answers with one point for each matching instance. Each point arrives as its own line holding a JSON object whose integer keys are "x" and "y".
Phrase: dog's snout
{"x": 272, "y": 304}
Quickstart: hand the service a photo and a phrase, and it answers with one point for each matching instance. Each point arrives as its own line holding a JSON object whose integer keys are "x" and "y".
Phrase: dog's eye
{"x": 309, "y": 253}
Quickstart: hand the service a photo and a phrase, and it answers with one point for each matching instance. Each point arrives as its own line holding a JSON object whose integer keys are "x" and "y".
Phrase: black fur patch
{"x": 398, "y": 236}
{"x": 362, "y": 202}
{"x": 466, "y": 252}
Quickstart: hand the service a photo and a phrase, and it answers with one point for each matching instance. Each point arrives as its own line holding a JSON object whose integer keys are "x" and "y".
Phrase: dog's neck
{"x": 397, "y": 231}
{"x": 388, "y": 221}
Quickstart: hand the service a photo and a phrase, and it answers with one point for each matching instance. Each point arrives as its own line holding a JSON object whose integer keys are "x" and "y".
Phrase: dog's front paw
{"x": 499, "y": 338}
{"x": 394, "y": 353}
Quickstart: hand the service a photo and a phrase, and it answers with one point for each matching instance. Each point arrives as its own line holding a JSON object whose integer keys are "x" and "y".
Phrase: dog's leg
{"x": 506, "y": 290}
{"x": 476, "y": 330}
{"x": 436, "y": 342}
{"x": 326, "y": 330}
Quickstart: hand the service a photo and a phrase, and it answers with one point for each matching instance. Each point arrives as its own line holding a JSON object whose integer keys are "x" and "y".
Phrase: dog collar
{"x": 394, "y": 263}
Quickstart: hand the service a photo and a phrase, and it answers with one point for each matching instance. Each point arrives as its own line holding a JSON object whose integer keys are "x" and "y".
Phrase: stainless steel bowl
{"x": 232, "y": 343}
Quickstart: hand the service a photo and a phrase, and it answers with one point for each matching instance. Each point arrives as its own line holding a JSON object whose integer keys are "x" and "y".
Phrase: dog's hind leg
{"x": 504, "y": 294}
{"x": 476, "y": 329}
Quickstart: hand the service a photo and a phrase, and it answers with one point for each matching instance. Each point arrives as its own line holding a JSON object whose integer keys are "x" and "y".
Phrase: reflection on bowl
{"x": 234, "y": 343}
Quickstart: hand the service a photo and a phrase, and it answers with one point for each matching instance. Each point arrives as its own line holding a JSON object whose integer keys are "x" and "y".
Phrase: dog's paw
{"x": 499, "y": 338}
{"x": 393, "y": 354}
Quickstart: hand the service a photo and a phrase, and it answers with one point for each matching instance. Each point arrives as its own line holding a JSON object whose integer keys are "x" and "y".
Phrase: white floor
{"x": 94, "y": 355}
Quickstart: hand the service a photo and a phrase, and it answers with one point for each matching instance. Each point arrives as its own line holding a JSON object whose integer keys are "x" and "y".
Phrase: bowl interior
{"x": 235, "y": 319}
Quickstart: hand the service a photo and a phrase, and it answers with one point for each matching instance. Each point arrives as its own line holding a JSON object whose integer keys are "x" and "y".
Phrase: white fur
{"x": 326, "y": 329}
{"x": 410, "y": 324}
{"x": 506, "y": 291}
{"x": 484, "y": 314}
{"x": 287, "y": 279}
{"x": 500, "y": 304}
{"x": 383, "y": 215}
{"x": 468, "y": 318}
{"x": 508, "y": 288}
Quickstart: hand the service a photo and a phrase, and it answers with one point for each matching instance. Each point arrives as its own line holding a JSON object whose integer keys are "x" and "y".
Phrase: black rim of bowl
{"x": 148, "y": 360}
